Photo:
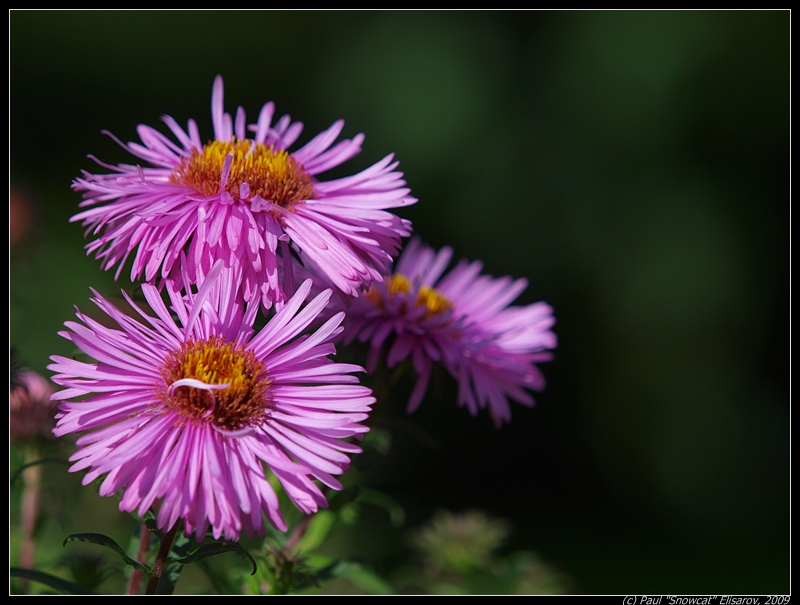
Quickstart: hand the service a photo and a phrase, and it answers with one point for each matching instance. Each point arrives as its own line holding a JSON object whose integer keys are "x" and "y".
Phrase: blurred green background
{"x": 634, "y": 166}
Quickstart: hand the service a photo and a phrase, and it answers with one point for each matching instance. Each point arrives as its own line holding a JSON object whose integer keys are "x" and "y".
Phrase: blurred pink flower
{"x": 189, "y": 411}
{"x": 235, "y": 198}
{"x": 461, "y": 320}
{"x": 30, "y": 412}
{"x": 20, "y": 216}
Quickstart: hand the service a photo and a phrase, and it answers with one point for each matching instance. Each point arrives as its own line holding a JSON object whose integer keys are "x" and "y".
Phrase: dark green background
{"x": 634, "y": 166}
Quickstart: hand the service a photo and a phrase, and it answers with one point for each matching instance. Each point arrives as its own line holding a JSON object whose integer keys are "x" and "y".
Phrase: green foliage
{"x": 283, "y": 573}
{"x": 362, "y": 576}
{"x": 88, "y": 570}
{"x": 107, "y": 542}
{"x": 212, "y": 549}
{"x": 47, "y": 579}
{"x": 633, "y": 165}
{"x": 18, "y": 473}
{"x": 459, "y": 544}
{"x": 458, "y": 554}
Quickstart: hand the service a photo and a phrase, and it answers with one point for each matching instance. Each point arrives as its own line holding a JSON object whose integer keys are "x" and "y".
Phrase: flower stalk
{"x": 161, "y": 559}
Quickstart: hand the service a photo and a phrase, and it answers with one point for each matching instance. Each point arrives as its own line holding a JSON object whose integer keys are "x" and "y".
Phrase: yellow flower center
{"x": 435, "y": 302}
{"x": 273, "y": 174}
{"x": 216, "y": 362}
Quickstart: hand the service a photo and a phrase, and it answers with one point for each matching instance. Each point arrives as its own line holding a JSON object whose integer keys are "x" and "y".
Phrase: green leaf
{"x": 169, "y": 578}
{"x": 319, "y": 528}
{"x": 362, "y": 577}
{"x": 49, "y": 580}
{"x": 382, "y": 500}
{"x": 220, "y": 579}
{"x": 379, "y": 439}
{"x": 150, "y": 523}
{"x": 108, "y": 543}
{"x": 216, "y": 548}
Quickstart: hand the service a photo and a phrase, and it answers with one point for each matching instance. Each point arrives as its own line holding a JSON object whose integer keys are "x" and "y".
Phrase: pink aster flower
{"x": 462, "y": 321}
{"x": 234, "y": 198}
{"x": 188, "y": 412}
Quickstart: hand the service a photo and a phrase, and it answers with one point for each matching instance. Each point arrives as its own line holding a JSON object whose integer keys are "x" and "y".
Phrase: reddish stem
{"x": 135, "y": 583}
{"x": 161, "y": 559}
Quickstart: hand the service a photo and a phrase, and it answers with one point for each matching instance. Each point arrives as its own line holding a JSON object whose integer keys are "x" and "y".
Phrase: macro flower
{"x": 235, "y": 198}
{"x": 189, "y": 412}
{"x": 462, "y": 321}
